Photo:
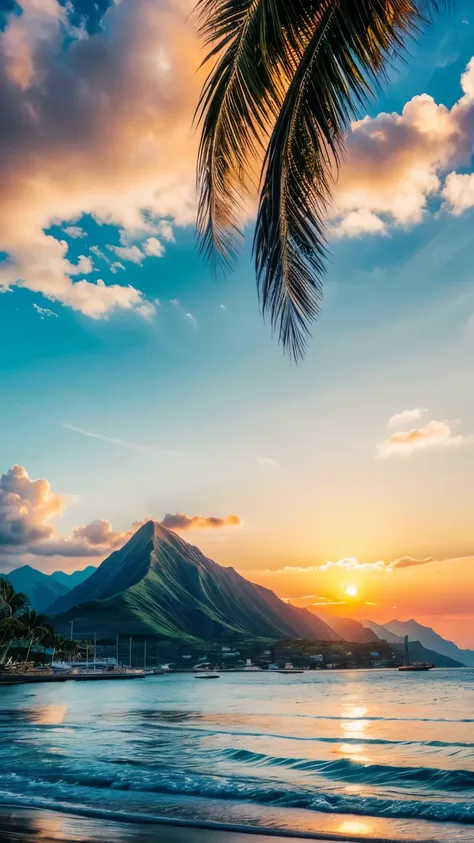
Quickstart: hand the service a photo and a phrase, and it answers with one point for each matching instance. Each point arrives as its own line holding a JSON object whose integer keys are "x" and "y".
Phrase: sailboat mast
{"x": 407, "y": 656}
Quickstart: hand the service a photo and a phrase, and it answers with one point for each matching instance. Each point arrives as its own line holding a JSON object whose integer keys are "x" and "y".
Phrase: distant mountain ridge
{"x": 159, "y": 584}
{"x": 40, "y": 588}
{"x": 419, "y": 653}
{"x": 44, "y": 589}
{"x": 73, "y": 579}
{"x": 431, "y": 640}
{"x": 395, "y": 631}
{"x": 346, "y": 628}
{"x": 382, "y": 632}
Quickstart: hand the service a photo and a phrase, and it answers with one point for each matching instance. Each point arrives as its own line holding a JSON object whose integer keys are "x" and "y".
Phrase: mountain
{"x": 41, "y": 589}
{"x": 418, "y": 653}
{"x": 346, "y": 629}
{"x": 158, "y": 584}
{"x": 382, "y": 632}
{"x": 71, "y": 580}
{"x": 430, "y": 639}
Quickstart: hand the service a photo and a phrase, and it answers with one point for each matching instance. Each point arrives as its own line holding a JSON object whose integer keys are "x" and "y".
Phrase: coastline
{"x": 28, "y": 824}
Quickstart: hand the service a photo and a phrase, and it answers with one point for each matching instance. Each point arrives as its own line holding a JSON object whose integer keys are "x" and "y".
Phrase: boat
{"x": 290, "y": 669}
{"x": 207, "y": 676}
{"x": 415, "y": 667}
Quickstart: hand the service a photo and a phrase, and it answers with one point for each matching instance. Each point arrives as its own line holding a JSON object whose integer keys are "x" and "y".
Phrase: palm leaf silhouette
{"x": 287, "y": 78}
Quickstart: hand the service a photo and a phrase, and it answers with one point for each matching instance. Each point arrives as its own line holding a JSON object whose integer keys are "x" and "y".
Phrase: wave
{"x": 373, "y": 774}
{"x": 233, "y": 790}
{"x": 178, "y": 716}
{"x": 387, "y": 719}
{"x": 141, "y": 818}
{"x": 312, "y": 739}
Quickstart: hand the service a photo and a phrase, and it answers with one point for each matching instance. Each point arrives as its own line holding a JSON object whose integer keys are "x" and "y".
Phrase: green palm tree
{"x": 287, "y": 77}
{"x": 37, "y": 630}
{"x": 11, "y": 630}
{"x": 12, "y": 603}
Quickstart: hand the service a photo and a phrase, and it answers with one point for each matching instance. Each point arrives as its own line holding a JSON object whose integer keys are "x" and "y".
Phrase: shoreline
{"x": 22, "y": 824}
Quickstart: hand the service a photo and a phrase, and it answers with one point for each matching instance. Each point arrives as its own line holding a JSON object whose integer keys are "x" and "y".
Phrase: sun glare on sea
{"x": 351, "y": 590}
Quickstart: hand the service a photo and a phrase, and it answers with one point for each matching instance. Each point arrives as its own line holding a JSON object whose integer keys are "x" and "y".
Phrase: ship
{"x": 414, "y": 667}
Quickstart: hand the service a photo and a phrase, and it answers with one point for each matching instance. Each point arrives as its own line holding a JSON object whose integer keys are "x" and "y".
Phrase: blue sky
{"x": 193, "y": 408}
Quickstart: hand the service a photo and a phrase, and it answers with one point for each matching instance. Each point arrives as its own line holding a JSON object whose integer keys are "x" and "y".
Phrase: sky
{"x": 136, "y": 384}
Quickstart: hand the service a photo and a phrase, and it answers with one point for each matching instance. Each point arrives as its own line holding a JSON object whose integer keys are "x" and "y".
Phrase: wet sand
{"x": 28, "y": 825}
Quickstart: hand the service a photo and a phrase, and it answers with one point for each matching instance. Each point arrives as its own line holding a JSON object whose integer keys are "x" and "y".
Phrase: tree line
{"x": 22, "y": 630}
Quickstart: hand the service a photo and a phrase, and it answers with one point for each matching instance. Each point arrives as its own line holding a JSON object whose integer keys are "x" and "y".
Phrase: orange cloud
{"x": 27, "y": 508}
{"x": 180, "y": 521}
{"x": 395, "y": 162}
{"x": 409, "y": 562}
{"x": 435, "y": 434}
{"x": 94, "y": 124}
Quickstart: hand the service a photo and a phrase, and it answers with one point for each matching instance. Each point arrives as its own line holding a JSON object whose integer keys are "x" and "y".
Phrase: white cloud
{"x": 74, "y": 231}
{"x": 44, "y": 312}
{"x": 100, "y": 254}
{"x": 128, "y": 253}
{"x": 350, "y": 563}
{"x": 357, "y": 223}
{"x": 191, "y": 318}
{"x": 458, "y": 192}
{"x": 83, "y": 267}
{"x": 433, "y": 435}
{"x": 396, "y": 162}
{"x": 118, "y": 147}
{"x": 153, "y": 247}
{"x": 26, "y": 508}
{"x": 406, "y": 417}
{"x": 165, "y": 230}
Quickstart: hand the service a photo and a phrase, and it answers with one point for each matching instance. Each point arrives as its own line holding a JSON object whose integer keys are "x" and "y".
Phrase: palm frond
{"x": 287, "y": 78}
{"x": 253, "y": 44}
{"x": 341, "y": 66}
{"x": 11, "y": 602}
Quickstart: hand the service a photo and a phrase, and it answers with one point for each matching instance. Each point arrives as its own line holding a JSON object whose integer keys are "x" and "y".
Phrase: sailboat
{"x": 416, "y": 666}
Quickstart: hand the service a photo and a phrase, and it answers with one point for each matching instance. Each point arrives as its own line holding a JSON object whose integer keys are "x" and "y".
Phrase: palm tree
{"x": 287, "y": 77}
{"x": 37, "y": 629}
{"x": 12, "y": 603}
{"x": 65, "y": 646}
{"x": 11, "y": 630}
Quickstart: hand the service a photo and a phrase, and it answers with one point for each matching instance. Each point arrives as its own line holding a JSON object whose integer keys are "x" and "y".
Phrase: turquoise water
{"x": 369, "y": 753}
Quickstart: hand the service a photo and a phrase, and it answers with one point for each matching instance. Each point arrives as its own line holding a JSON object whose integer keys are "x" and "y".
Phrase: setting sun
{"x": 351, "y": 590}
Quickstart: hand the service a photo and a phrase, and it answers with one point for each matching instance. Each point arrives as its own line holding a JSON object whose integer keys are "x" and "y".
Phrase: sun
{"x": 351, "y": 590}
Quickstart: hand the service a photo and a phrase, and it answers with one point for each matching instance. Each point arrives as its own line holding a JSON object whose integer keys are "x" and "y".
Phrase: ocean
{"x": 370, "y": 754}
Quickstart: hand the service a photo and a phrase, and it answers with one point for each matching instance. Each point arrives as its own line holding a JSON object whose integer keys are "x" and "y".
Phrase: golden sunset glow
{"x": 351, "y": 591}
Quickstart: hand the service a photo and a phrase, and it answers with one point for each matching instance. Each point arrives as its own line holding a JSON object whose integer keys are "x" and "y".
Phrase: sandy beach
{"x": 27, "y": 825}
